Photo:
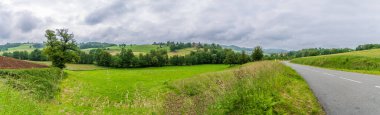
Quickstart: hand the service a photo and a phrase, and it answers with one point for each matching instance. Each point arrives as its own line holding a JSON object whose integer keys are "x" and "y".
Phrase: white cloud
{"x": 289, "y": 24}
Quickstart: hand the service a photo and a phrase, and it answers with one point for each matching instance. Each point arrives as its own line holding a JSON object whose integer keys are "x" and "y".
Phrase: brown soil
{"x": 11, "y": 63}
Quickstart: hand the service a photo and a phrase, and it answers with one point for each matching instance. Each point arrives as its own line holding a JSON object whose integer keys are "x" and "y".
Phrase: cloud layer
{"x": 288, "y": 24}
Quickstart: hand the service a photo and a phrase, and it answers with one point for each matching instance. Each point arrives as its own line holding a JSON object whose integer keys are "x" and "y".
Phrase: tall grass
{"x": 13, "y": 102}
{"x": 260, "y": 88}
{"x": 42, "y": 84}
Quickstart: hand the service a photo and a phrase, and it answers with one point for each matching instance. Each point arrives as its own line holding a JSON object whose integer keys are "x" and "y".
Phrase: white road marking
{"x": 377, "y": 86}
{"x": 350, "y": 80}
{"x": 329, "y": 74}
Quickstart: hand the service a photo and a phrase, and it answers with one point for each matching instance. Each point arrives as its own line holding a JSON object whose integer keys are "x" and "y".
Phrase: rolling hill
{"x": 249, "y": 50}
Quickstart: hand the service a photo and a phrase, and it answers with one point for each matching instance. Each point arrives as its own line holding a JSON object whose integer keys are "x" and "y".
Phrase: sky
{"x": 284, "y": 24}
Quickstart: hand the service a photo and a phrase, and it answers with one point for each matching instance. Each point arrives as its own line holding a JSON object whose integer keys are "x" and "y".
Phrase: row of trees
{"x": 367, "y": 47}
{"x": 35, "y": 55}
{"x": 158, "y": 58}
{"x": 307, "y": 52}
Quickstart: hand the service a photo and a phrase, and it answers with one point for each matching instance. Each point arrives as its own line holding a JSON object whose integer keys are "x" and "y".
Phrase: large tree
{"x": 126, "y": 57}
{"x": 60, "y": 47}
{"x": 257, "y": 54}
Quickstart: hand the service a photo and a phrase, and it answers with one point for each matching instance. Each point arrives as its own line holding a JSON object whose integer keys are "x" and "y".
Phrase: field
{"x": 182, "y": 52}
{"x": 137, "y": 49}
{"x": 214, "y": 89}
{"x": 367, "y": 61}
{"x": 10, "y": 63}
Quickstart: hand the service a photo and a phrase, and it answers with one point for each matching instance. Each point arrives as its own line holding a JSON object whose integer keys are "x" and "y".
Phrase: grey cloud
{"x": 288, "y": 24}
{"x": 115, "y": 9}
{"x": 5, "y": 24}
{"x": 27, "y": 22}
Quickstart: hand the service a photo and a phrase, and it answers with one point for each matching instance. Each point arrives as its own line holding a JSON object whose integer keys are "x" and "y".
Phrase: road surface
{"x": 342, "y": 93}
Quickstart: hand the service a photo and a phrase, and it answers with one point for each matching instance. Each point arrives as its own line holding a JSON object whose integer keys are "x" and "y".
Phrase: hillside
{"x": 249, "y": 50}
{"x": 10, "y": 63}
{"x": 361, "y": 61}
{"x": 23, "y": 47}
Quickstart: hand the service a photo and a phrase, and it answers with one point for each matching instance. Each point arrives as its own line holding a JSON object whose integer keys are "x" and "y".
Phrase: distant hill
{"x": 266, "y": 51}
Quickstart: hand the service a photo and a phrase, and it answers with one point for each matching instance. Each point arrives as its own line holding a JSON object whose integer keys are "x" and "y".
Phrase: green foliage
{"x": 60, "y": 47}
{"x": 367, "y": 47}
{"x": 42, "y": 84}
{"x": 258, "y": 88}
{"x": 37, "y": 55}
{"x": 257, "y": 54}
{"x": 126, "y": 57}
{"x": 230, "y": 58}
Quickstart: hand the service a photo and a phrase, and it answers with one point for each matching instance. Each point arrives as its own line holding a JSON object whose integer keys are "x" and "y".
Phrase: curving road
{"x": 342, "y": 93}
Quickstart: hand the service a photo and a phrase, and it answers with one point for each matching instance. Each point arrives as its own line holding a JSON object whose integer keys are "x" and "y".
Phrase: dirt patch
{"x": 11, "y": 63}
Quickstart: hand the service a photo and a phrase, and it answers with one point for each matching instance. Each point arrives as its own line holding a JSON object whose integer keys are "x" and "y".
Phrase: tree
{"x": 243, "y": 58}
{"x": 230, "y": 58}
{"x": 60, "y": 47}
{"x": 104, "y": 58}
{"x": 37, "y": 55}
{"x": 126, "y": 57}
{"x": 257, "y": 54}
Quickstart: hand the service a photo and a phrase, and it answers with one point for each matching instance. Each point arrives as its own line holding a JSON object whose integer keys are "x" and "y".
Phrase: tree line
{"x": 35, "y": 55}
{"x": 307, "y": 52}
{"x": 367, "y": 47}
{"x": 158, "y": 58}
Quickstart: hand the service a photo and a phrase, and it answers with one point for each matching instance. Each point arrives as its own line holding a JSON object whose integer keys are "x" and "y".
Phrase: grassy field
{"x": 367, "y": 61}
{"x": 137, "y": 49}
{"x": 182, "y": 52}
{"x": 112, "y": 91}
{"x": 257, "y": 88}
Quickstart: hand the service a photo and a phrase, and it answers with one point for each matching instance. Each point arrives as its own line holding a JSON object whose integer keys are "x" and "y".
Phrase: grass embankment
{"x": 367, "y": 61}
{"x": 21, "y": 91}
{"x": 259, "y": 88}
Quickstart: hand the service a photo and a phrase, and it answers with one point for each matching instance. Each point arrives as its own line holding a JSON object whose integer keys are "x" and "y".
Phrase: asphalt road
{"x": 342, "y": 93}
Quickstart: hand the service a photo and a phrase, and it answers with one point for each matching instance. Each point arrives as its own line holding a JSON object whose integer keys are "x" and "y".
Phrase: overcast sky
{"x": 286, "y": 24}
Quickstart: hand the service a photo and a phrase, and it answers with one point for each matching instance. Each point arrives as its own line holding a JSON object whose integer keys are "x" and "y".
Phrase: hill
{"x": 10, "y": 63}
{"x": 367, "y": 61}
{"x": 249, "y": 50}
